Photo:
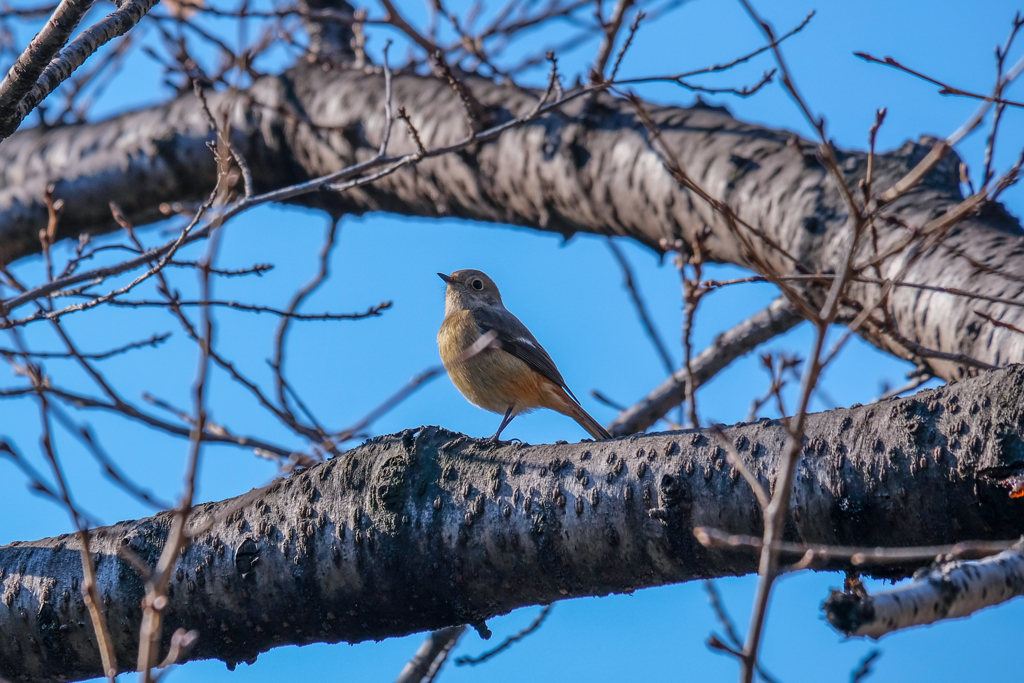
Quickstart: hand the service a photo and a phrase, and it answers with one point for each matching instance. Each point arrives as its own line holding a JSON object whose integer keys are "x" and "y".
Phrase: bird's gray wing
{"x": 517, "y": 340}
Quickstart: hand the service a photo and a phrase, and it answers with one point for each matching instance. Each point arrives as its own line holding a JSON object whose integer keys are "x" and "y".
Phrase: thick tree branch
{"x": 564, "y": 174}
{"x": 462, "y": 530}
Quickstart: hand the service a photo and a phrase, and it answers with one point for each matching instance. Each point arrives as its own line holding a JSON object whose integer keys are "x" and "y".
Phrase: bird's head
{"x": 469, "y": 289}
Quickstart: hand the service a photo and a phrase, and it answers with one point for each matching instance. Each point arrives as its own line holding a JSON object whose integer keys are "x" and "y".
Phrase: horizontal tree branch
{"x": 463, "y": 530}
{"x": 560, "y": 173}
{"x": 950, "y": 591}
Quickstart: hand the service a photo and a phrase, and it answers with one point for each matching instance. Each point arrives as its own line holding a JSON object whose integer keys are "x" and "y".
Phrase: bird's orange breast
{"x": 492, "y": 379}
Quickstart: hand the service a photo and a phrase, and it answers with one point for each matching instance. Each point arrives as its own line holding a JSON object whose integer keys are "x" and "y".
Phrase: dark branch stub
{"x": 331, "y": 35}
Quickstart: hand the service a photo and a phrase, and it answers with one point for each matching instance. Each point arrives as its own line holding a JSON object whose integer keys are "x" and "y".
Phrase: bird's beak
{"x": 446, "y": 278}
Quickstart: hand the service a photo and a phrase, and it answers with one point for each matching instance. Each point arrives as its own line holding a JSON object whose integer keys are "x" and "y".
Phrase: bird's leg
{"x": 504, "y": 423}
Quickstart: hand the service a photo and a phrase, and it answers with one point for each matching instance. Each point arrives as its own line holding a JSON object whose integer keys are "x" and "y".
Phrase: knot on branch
{"x": 335, "y": 31}
{"x": 944, "y": 174}
{"x": 847, "y": 612}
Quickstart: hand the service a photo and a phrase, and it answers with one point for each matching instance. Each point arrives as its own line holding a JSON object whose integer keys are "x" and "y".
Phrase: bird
{"x": 494, "y": 360}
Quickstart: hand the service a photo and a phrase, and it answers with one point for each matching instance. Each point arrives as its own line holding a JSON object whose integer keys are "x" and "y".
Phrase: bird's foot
{"x": 497, "y": 440}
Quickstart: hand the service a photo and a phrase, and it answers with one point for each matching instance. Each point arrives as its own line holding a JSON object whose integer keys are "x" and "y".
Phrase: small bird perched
{"x": 512, "y": 374}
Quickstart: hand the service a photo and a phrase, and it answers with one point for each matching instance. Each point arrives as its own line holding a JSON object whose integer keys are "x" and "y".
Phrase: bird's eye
{"x": 477, "y": 284}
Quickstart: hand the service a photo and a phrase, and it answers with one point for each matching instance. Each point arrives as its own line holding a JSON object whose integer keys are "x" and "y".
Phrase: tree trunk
{"x": 425, "y": 528}
{"x": 564, "y": 172}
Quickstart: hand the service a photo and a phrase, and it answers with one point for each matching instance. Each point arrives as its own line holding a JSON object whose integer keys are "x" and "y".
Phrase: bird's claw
{"x": 496, "y": 440}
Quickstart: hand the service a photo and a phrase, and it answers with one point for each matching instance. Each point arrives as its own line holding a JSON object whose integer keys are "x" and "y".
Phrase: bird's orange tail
{"x": 556, "y": 398}
{"x": 592, "y": 426}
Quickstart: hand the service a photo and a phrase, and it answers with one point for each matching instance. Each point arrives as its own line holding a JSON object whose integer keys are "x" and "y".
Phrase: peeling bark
{"x": 571, "y": 172}
{"x": 426, "y": 528}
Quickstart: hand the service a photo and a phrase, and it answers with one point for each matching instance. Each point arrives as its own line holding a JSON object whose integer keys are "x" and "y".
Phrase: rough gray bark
{"x": 425, "y": 528}
{"x": 564, "y": 172}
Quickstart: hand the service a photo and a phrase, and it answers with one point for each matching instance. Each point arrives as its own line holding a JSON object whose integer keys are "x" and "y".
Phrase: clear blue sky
{"x": 581, "y": 313}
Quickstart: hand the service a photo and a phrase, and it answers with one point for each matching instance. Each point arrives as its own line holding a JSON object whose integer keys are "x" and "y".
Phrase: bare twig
{"x": 119, "y": 406}
{"x": 869, "y": 173}
{"x": 93, "y": 602}
{"x": 611, "y": 30}
{"x": 692, "y": 294}
{"x": 508, "y": 642}
{"x": 282, "y": 329}
{"x": 997, "y": 93}
{"x": 396, "y": 398}
{"x": 625, "y": 46}
{"x": 554, "y": 87}
{"x": 155, "y": 600}
{"x": 611, "y": 403}
{"x": 54, "y": 208}
{"x": 85, "y": 435}
{"x": 155, "y": 340}
{"x": 735, "y": 646}
{"x": 389, "y": 117}
{"x": 778, "y": 318}
{"x": 999, "y": 323}
{"x": 715, "y": 600}
{"x": 431, "y": 656}
{"x": 917, "y": 173}
{"x": 371, "y": 312}
{"x": 718, "y": 68}
{"x": 892, "y": 283}
{"x": 421, "y": 151}
{"x": 919, "y": 376}
{"x": 922, "y": 351}
{"x": 863, "y": 669}
{"x": 90, "y": 593}
{"x": 855, "y": 555}
{"x": 944, "y": 88}
{"x": 181, "y": 642}
{"x": 641, "y": 307}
